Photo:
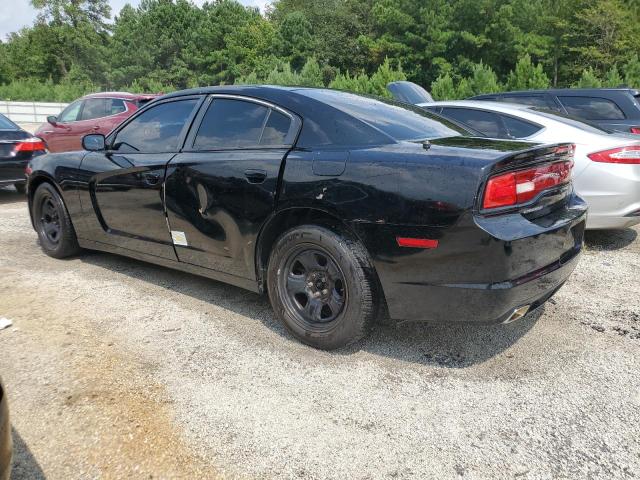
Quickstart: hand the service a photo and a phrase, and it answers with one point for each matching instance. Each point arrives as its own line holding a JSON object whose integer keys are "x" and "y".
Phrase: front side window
{"x": 233, "y": 124}
{"x": 70, "y": 114}
{"x": 101, "y": 107}
{"x": 156, "y": 130}
{"x": 592, "y": 108}
{"x": 94, "y": 108}
{"x": 487, "y": 123}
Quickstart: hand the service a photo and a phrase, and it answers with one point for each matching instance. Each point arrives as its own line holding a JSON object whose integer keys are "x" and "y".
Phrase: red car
{"x": 95, "y": 113}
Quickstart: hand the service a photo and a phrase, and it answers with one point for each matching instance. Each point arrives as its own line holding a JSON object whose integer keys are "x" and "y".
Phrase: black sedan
{"x": 5, "y": 436}
{"x": 17, "y": 147}
{"x": 342, "y": 207}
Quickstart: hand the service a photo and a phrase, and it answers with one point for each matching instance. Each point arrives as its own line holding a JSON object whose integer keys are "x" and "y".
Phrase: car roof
{"x": 504, "y": 107}
{"x": 122, "y": 95}
{"x": 564, "y": 91}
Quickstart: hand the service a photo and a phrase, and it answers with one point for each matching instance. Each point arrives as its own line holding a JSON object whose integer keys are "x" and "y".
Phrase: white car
{"x": 607, "y": 165}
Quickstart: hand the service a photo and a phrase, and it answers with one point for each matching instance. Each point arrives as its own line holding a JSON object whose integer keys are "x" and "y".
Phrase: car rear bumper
{"x": 482, "y": 270}
{"x": 613, "y": 194}
{"x": 12, "y": 171}
{"x": 5, "y": 437}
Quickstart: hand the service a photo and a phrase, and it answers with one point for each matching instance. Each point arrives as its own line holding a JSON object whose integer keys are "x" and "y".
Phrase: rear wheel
{"x": 322, "y": 286}
{"x": 53, "y": 224}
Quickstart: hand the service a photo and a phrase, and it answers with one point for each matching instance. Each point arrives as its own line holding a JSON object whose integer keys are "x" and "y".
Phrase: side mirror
{"x": 53, "y": 120}
{"x": 94, "y": 142}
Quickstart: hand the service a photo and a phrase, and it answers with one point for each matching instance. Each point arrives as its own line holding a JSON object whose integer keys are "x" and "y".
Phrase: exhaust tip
{"x": 517, "y": 314}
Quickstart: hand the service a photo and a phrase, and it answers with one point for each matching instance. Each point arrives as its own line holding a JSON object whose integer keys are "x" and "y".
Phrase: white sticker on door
{"x": 179, "y": 238}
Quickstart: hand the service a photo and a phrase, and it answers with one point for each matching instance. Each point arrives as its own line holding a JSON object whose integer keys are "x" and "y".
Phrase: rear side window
{"x": 517, "y": 128}
{"x": 533, "y": 100}
{"x": 156, "y": 130}
{"x": 592, "y": 108}
{"x": 233, "y": 124}
{"x": 487, "y": 123}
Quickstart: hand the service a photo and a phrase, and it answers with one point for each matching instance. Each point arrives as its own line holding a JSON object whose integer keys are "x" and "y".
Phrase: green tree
{"x": 588, "y": 79}
{"x": 527, "y": 76}
{"x": 484, "y": 80}
{"x": 442, "y": 88}
{"x": 612, "y": 78}
{"x": 631, "y": 72}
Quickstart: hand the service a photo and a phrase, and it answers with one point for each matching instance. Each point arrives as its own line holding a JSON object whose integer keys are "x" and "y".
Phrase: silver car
{"x": 607, "y": 165}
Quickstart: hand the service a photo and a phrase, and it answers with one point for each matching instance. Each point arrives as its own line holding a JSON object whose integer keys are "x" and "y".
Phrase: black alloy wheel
{"x": 49, "y": 225}
{"x": 52, "y": 223}
{"x": 322, "y": 286}
{"x": 314, "y": 284}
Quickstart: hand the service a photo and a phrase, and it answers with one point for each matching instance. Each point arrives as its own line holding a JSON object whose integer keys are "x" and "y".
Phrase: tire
{"x": 322, "y": 286}
{"x": 20, "y": 187}
{"x": 53, "y": 224}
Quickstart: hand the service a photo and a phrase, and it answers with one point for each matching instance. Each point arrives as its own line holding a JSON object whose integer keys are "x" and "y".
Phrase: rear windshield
{"x": 397, "y": 120}
{"x": 6, "y": 124}
{"x": 571, "y": 121}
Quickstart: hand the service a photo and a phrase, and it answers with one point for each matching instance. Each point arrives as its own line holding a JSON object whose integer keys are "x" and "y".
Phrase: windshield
{"x": 397, "y": 120}
{"x": 409, "y": 92}
{"x": 6, "y": 124}
{"x": 570, "y": 120}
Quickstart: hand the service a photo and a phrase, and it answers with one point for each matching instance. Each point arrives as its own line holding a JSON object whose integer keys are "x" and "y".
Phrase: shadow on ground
{"x": 446, "y": 345}
{"x": 610, "y": 239}
{"x": 25, "y": 466}
{"x": 10, "y": 195}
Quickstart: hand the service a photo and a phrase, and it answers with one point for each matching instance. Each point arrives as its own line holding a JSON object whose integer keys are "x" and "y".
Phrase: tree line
{"x": 454, "y": 48}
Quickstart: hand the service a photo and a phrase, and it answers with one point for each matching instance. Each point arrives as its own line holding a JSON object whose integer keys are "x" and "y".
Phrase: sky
{"x": 15, "y": 14}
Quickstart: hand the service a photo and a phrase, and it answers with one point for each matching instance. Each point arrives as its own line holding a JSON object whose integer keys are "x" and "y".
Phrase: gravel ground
{"x": 118, "y": 369}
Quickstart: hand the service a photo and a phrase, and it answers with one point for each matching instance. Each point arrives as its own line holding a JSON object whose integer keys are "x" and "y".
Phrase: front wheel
{"x": 323, "y": 286}
{"x": 53, "y": 224}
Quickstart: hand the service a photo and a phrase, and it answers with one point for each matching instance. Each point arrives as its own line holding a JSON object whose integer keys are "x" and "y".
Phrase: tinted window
{"x": 157, "y": 129}
{"x": 399, "y": 121}
{"x": 6, "y": 124}
{"x": 231, "y": 124}
{"x": 101, "y": 107}
{"x": 276, "y": 129}
{"x": 580, "y": 123}
{"x": 517, "y": 128}
{"x": 70, "y": 114}
{"x": 487, "y": 123}
{"x": 533, "y": 100}
{"x": 592, "y": 108}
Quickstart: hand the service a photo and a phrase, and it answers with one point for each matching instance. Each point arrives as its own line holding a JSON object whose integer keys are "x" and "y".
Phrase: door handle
{"x": 255, "y": 175}
{"x": 151, "y": 178}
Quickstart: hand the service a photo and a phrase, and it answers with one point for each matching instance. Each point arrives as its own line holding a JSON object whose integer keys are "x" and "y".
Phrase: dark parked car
{"x": 94, "y": 113}
{"x": 17, "y": 147}
{"x": 609, "y": 108}
{"x": 340, "y": 206}
{"x": 5, "y": 436}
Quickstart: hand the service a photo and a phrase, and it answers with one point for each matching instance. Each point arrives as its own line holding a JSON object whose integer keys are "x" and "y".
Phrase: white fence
{"x": 30, "y": 112}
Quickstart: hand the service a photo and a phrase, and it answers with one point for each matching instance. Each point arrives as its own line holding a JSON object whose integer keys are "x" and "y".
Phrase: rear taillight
{"x": 30, "y": 145}
{"x": 629, "y": 155}
{"x": 521, "y": 186}
{"x": 635, "y": 130}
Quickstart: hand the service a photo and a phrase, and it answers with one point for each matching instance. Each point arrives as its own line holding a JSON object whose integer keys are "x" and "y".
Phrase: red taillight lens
{"x": 508, "y": 189}
{"x": 635, "y": 130}
{"x": 629, "y": 155}
{"x": 30, "y": 145}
